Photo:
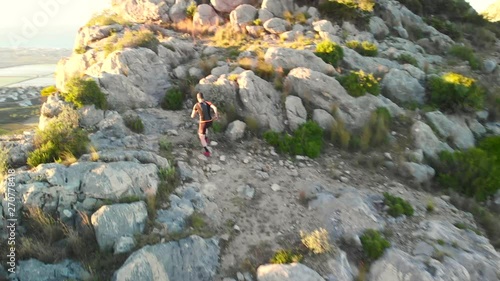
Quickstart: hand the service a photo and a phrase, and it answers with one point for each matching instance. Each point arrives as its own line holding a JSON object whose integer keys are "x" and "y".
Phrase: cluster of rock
{"x": 19, "y": 96}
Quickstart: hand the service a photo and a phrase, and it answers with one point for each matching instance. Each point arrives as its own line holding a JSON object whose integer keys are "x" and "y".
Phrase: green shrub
{"x": 329, "y": 52}
{"x": 191, "y": 10}
{"x": 467, "y": 54}
{"x": 492, "y": 146}
{"x": 455, "y": 92}
{"x": 257, "y": 22}
{"x": 306, "y": 140}
{"x": 347, "y": 10}
{"x": 374, "y": 244}
{"x": 358, "y": 83}
{"x": 397, "y": 206}
{"x": 138, "y": 38}
{"x": 316, "y": 241}
{"x": 375, "y": 133}
{"x": 107, "y": 19}
{"x": 474, "y": 172}
{"x": 134, "y": 123}
{"x": 62, "y": 135}
{"x": 445, "y": 27}
{"x": 407, "y": 58}
{"x": 285, "y": 256}
{"x": 364, "y": 48}
{"x": 47, "y": 91}
{"x": 173, "y": 99}
{"x": 82, "y": 92}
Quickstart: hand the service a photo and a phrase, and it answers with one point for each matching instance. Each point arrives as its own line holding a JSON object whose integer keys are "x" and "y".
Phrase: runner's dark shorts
{"x": 202, "y": 127}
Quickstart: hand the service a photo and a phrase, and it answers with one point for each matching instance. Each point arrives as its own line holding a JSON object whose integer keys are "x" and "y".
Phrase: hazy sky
{"x": 54, "y": 23}
{"x": 45, "y": 23}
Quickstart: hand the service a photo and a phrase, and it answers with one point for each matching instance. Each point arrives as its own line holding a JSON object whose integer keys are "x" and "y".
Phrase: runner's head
{"x": 199, "y": 97}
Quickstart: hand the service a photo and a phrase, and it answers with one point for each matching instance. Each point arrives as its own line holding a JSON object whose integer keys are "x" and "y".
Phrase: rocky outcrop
{"x": 378, "y": 27}
{"x": 401, "y": 87}
{"x": 142, "y": 10}
{"x": 295, "y": 112}
{"x": 278, "y": 7}
{"x": 89, "y": 34}
{"x": 354, "y": 61}
{"x": 290, "y": 58}
{"x": 192, "y": 258}
{"x": 426, "y": 140}
{"x": 453, "y": 128}
{"x": 226, "y": 6}
{"x": 119, "y": 220}
{"x": 35, "y": 270}
{"x": 288, "y": 272}
{"x": 206, "y": 15}
{"x": 260, "y": 100}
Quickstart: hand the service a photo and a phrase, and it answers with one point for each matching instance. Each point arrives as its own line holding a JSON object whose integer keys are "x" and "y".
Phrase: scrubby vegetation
{"x": 317, "y": 241}
{"x": 376, "y": 132}
{"x": 173, "y": 99}
{"x": 47, "y": 91}
{"x": 191, "y": 10}
{"x": 474, "y": 172}
{"x": 397, "y": 205}
{"x": 374, "y": 244}
{"x": 407, "y": 58}
{"x": 306, "y": 140}
{"x": 466, "y": 54}
{"x": 134, "y": 123}
{"x": 107, "y": 19}
{"x": 364, "y": 48}
{"x": 330, "y": 52}
{"x": 132, "y": 39}
{"x": 286, "y": 256}
{"x": 4, "y": 165}
{"x": 455, "y": 92}
{"x": 62, "y": 136}
{"x": 347, "y": 10}
{"x": 80, "y": 92}
{"x": 358, "y": 83}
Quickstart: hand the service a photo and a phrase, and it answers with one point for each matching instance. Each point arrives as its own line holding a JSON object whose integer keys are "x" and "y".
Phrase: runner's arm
{"x": 215, "y": 110}
{"x": 193, "y": 113}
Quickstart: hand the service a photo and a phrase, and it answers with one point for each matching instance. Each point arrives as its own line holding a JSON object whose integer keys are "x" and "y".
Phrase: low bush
{"x": 358, "y": 83}
{"x": 339, "y": 135}
{"x": 466, "y": 54}
{"x": 306, "y": 140}
{"x": 82, "y": 92}
{"x": 134, "y": 124}
{"x": 107, "y": 19}
{"x": 60, "y": 136}
{"x": 316, "y": 241}
{"x": 455, "y": 92}
{"x": 138, "y": 38}
{"x": 173, "y": 99}
{"x": 376, "y": 132}
{"x": 445, "y": 27}
{"x": 286, "y": 256}
{"x": 397, "y": 206}
{"x": 329, "y": 52}
{"x": 364, "y": 48}
{"x": 374, "y": 244}
{"x": 474, "y": 172}
{"x": 47, "y": 91}
{"x": 347, "y": 10}
{"x": 407, "y": 58}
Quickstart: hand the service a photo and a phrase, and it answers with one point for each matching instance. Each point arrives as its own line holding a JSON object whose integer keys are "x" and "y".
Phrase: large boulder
{"x": 295, "y": 112}
{"x": 378, "y": 27}
{"x": 354, "y": 61}
{"x": 287, "y": 272}
{"x": 90, "y": 116}
{"x": 489, "y": 65}
{"x": 260, "y": 100}
{"x": 114, "y": 221}
{"x": 426, "y": 140}
{"x": 452, "y": 127}
{"x": 277, "y": 26}
{"x": 35, "y": 270}
{"x": 141, "y": 10}
{"x": 401, "y": 87}
{"x": 119, "y": 179}
{"x": 220, "y": 90}
{"x": 192, "y": 258}
{"x": 243, "y": 14}
{"x": 278, "y": 7}
{"x": 324, "y": 119}
{"x": 290, "y": 58}
{"x": 75, "y": 65}
{"x": 122, "y": 94}
{"x": 226, "y": 6}
{"x": 206, "y": 15}
{"x": 50, "y": 109}
{"x": 265, "y": 15}
{"x": 235, "y": 130}
{"x": 177, "y": 12}
{"x": 419, "y": 173}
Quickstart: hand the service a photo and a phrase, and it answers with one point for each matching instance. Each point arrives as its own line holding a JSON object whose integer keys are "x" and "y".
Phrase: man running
{"x": 202, "y": 108}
